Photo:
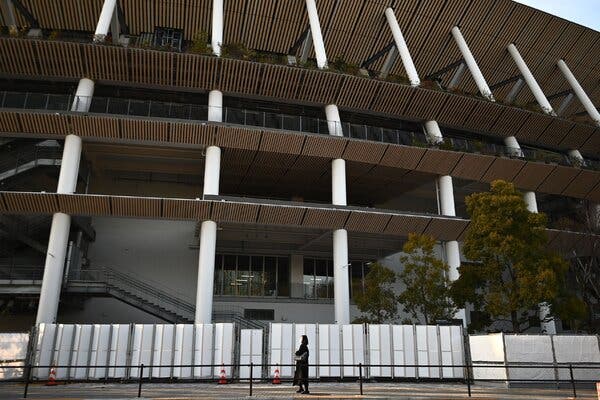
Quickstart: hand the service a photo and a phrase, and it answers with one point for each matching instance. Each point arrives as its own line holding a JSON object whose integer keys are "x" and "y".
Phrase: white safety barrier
{"x": 13, "y": 352}
{"x": 116, "y": 351}
{"x": 251, "y": 351}
{"x": 547, "y": 351}
{"x": 439, "y": 349}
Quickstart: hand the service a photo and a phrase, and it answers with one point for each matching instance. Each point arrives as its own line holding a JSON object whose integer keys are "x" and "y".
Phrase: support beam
{"x": 458, "y": 75}
{"x": 334, "y": 122}
{"x": 576, "y": 155}
{"x": 8, "y": 11}
{"x": 378, "y": 55}
{"x": 317, "y": 37}
{"x": 506, "y": 82}
{"x": 306, "y": 46}
{"x": 451, "y": 67}
{"x": 104, "y": 21}
{"x": 389, "y": 62}
{"x": 433, "y": 132}
{"x": 565, "y": 104}
{"x": 407, "y": 61}
{"x": 539, "y": 95}
{"x": 579, "y": 92}
{"x": 516, "y": 89}
{"x": 513, "y": 147}
{"x": 216, "y": 38}
{"x": 480, "y": 81}
{"x": 33, "y": 23}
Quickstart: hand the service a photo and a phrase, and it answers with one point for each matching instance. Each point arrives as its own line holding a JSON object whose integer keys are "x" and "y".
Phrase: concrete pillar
{"x": 389, "y": 62}
{"x": 341, "y": 286}
{"x": 106, "y": 15}
{"x": 334, "y": 122}
{"x": 433, "y": 132}
{"x": 575, "y": 154}
{"x": 306, "y": 46}
{"x": 61, "y": 223}
{"x": 8, "y": 11}
{"x": 514, "y": 92}
{"x": 115, "y": 27}
{"x": 565, "y": 103}
{"x": 484, "y": 89}
{"x": 514, "y": 148}
{"x": 206, "y": 272}
{"x": 208, "y": 229}
{"x": 216, "y": 39}
{"x": 457, "y": 77}
{"x": 407, "y": 61}
{"x": 579, "y": 92}
{"x": 531, "y": 82}
{"x": 446, "y": 196}
{"x": 317, "y": 37}
{"x": 531, "y": 201}
{"x": 338, "y": 182}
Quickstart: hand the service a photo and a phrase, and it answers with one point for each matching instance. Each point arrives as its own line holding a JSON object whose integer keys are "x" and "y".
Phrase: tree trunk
{"x": 515, "y": 322}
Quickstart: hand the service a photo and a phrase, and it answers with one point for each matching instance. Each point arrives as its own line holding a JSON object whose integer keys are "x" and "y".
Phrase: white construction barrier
{"x": 353, "y": 349}
{"x": 577, "y": 350}
{"x": 452, "y": 351}
{"x": 523, "y": 349}
{"x": 281, "y": 349}
{"x": 428, "y": 351}
{"x": 13, "y": 352}
{"x": 251, "y": 351}
{"x": 203, "y": 349}
{"x": 329, "y": 350}
{"x": 223, "y": 349}
{"x": 380, "y": 350}
{"x": 404, "y": 350}
{"x": 488, "y": 350}
{"x": 310, "y": 330}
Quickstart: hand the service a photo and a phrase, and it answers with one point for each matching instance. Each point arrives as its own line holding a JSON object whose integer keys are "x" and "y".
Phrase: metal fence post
{"x": 140, "y": 380}
{"x": 251, "y": 368}
{"x": 572, "y": 380}
{"x": 27, "y": 378}
{"x": 360, "y": 378}
{"x": 468, "y": 379}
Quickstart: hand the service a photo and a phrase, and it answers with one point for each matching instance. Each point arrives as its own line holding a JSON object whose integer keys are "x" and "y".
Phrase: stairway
{"x": 20, "y": 156}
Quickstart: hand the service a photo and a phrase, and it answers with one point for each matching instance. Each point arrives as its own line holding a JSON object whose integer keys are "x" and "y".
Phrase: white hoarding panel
{"x": 44, "y": 350}
{"x": 141, "y": 351}
{"x": 81, "y": 351}
{"x": 310, "y": 330}
{"x": 329, "y": 350}
{"x": 529, "y": 349}
{"x": 487, "y": 350}
{"x": 281, "y": 349}
{"x": 162, "y": 358}
{"x": 353, "y": 349}
{"x": 577, "y": 350}
{"x": 99, "y": 355}
{"x": 434, "y": 351}
{"x": 403, "y": 341}
{"x": 224, "y": 345}
{"x": 184, "y": 351}
{"x": 203, "y": 350}
{"x": 451, "y": 346}
{"x": 458, "y": 351}
{"x": 62, "y": 350}
{"x": 251, "y": 352}
{"x": 380, "y": 350}
{"x": 13, "y": 351}
{"x": 422, "y": 351}
{"x": 118, "y": 351}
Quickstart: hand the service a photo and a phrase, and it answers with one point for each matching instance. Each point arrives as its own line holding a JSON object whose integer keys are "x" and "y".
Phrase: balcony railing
{"x": 271, "y": 120}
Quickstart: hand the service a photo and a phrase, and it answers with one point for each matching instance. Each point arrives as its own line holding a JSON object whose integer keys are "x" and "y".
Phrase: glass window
{"x": 321, "y": 279}
{"x": 252, "y": 276}
{"x": 356, "y": 277}
{"x": 270, "y": 276}
{"x": 139, "y": 107}
{"x": 243, "y": 276}
{"x": 218, "y": 274}
{"x": 58, "y": 102}
{"x": 291, "y": 122}
{"x": 273, "y": 120}
{"x": 283, "y": 276}
{"x": 257, "y": 281}
{"x": 229, "y": 282}
{"x": 14, "y": 100}
{"x": 99, "y": 105}
{"x": 309, "y": 278}
{"x": 180, "y": 111}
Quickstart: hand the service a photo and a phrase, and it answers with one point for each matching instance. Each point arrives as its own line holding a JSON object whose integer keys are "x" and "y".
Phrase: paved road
{"x": 181, "y": 391}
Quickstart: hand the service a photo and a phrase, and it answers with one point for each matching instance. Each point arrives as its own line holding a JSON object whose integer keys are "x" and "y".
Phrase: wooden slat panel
{"x": 367, "y": 222}
{"x": 439, "y": 162}
{"x": 9, "y": 122}
{"x": 237, "y": 138}
{"x": 504, "y": 169}
{"x": 472, "y": 166}
{"x": 30, "y": 203}
{"x": 532, "y": 175}
{"x": 45, "y": 124}
{"x": 234, "y": 212}
{"x": 191, "y": 133}
{"x": 96, "y": 127}
{"x": 326, "y": 219}
{"x": 185, "y": 209}
{"x": 363, "y": 151}
{"x": 446, "y": 229}
{"x": 280, "y": 215}
{"x": 402, "y": 225}
{"x": 582, "y": 184}
{"x": 83, "y": 205}
{"x": 135, "y": 207}
{"x": 402, "y": 157}
{"x": 324, "y": 146}
{"x": 558, "y": 180}
{"x": 153, "y": 131}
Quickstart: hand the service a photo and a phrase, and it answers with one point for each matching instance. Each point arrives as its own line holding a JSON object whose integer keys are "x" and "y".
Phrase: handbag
{"x": 302, "y": 357}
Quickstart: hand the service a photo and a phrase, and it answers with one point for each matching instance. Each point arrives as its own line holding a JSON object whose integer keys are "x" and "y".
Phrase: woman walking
{"x": 301, "y": 374}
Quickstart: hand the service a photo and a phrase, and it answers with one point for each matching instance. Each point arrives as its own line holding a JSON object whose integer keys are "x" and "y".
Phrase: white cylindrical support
{"x": 480, "y": 81}
{"x": 453, "y": 259}
{"x": 446, "y": 196}
{"x": 457, "y": 77}
{"x": 212, "y": 170}
{"x": 83, "y": 95}
{"x": 334, "y": 122}
{"x": 106, "y": 15}
{"x": 539, "y": 95}
{"x": 215, "y": 106}
{"x": 53, "y": 269}
{"x": 338, "y": 182}
{"x": 216, "y": 39}
{"x": 433, "y": 131}
{"x": 206, "y": 272}
{"x": 317, "y": 37}
{"x": 69, "y": 167}
{"x": 407, "y": 61}
{"x": 514, "y": 148}
{"x": 547, "y": 323}
{"x": 579, "y": 92}
{"x": 575, "y": 154}
{"x": 531, "y": 201}
{"x": 340, "y": 277}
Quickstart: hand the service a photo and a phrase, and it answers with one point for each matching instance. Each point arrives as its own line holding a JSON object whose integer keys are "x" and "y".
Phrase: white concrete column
{"x": 216, "y": 38}
{"x": 106, "y": 15}
{"x": 215, "y": 106}
{"x": 484, "y": 89}
{"x": 83, "y": 95}
{"x": 334, "y": 122}
{"x": 69, "y": 167}
{"x": 206, "y": 272}
{"x": 341, "y": 286}
{"x": 531, "y": 82}
{"x": 531, "y": 201}
{"x": 579, "y": 92}
{"x": 575, "y": 154}
{"x": 338, "y": 182}
{"x": 514, "y": 148}
{"x": 433, "y": 132}
{"x": 212, "y": 170}
{"x": 53, "y": 269}
{"x": 446, "y": 189}
{"x": 315, "y": 30}
{"x": 407, "y": 60}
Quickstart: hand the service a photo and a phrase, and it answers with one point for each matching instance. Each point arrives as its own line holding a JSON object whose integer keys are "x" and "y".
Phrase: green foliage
{"x": 377, "y": 302}
{"x": 236, "y": 50}
{"x": 425, "y": 276}
{"x": 200, "y": 43}
{"x": 516, "y": 271}
{"x": 341, "y": 65}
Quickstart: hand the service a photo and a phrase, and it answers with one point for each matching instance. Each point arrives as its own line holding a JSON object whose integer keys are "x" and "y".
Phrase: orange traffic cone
{"x": 52, "y": 378}
{"x": 276, "y": 380}
{"x": 222, "y": 378}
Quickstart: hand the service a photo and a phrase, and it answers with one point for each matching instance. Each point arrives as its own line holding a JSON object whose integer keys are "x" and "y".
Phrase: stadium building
{"x": 247, "y": 160}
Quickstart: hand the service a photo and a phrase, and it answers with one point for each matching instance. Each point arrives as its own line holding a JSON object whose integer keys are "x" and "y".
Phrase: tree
{"x": 425, "y": 276}
{"x": 514, "y": 271}
{"x": 377, "y": 301}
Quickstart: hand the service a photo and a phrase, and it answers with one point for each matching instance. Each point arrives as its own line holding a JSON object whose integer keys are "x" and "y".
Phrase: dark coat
{"x": 301, "y": 374}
